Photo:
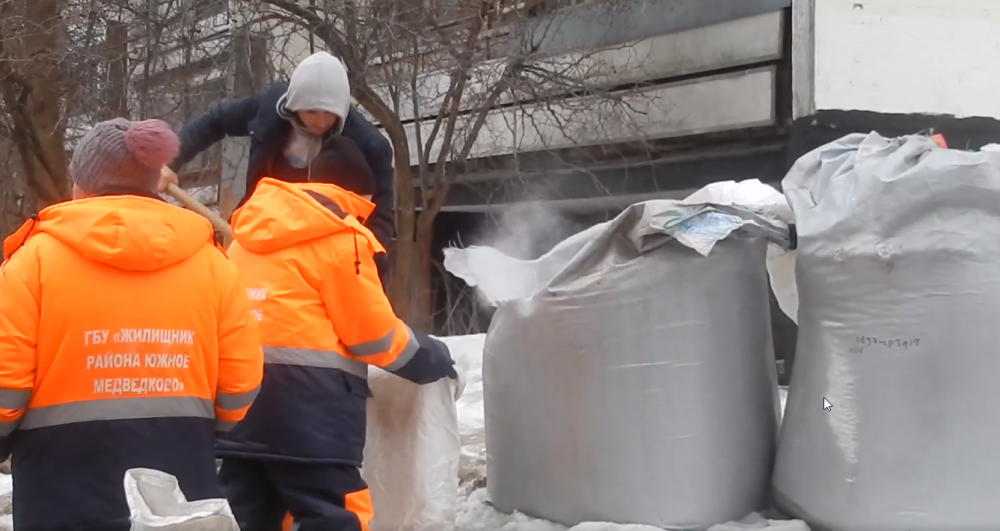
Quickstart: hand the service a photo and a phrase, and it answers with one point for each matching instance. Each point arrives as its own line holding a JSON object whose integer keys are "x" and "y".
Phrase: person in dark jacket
{"x": 289, "y": 124}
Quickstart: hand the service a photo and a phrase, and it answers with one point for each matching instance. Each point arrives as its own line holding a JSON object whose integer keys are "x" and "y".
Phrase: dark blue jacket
{"x": 257, "y": 117}
{"x": 309, "y": 414}
{"x": 323, "y": 320}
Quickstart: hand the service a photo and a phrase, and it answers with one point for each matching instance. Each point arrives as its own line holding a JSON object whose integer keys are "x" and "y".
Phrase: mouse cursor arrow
{"x": 827, "y": 406}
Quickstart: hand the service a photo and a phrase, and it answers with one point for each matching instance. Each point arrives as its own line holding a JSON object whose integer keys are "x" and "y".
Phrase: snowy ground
{"x": 6, "y": 489}
{"x": 475, "y": 513}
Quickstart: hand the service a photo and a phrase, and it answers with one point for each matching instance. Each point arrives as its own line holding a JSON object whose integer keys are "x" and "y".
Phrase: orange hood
{"x": 279, "y": 215}
{"x": 127, "y": 232}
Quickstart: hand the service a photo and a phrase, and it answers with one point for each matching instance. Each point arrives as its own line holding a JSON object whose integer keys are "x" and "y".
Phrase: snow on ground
{"x": 6, "y": 489}
{"x": 475, "y": 512}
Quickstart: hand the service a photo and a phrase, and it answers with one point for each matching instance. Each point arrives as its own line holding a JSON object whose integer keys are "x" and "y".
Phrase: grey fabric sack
{"x": 636, "y": 384}
{"x": 898, "y": 273}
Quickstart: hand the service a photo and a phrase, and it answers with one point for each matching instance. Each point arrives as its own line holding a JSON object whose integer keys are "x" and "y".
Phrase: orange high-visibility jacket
{"x": 308, "y": 264}
{"x": 125, "y": 341}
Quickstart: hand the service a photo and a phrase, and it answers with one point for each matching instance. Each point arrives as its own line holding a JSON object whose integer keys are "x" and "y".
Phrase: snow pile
{"x": 468, "y": 354}
{"x": 6, "y": 502}
{"x": 475, "y": 512}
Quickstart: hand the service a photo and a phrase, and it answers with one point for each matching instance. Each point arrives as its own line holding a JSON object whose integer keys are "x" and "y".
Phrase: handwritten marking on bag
{"x": 888, "y": 342}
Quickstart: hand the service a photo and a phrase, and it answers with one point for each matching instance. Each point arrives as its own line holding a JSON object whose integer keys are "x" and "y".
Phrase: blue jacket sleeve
{"x": 383, "y": 220}
{"x": 227, "y": 118}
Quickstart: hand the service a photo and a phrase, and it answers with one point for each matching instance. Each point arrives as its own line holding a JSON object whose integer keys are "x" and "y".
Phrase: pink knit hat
{"x": 123, "y": 154}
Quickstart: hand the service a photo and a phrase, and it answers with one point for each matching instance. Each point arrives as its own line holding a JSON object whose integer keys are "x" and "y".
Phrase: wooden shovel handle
{"x": 193, "y": 204}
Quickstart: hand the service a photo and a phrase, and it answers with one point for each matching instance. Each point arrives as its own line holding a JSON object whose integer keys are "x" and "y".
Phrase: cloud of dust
{"x": 525, "y": 231}
{"x": 528, "y": 230}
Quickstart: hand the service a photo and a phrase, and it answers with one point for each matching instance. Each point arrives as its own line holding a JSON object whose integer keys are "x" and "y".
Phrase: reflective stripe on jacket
{"x": 307, "y": 262}
{"x": 125, "y": 340}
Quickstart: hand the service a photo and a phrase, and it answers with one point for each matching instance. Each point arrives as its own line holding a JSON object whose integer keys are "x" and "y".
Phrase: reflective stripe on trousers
{"x": 117, "y": 409}
{"x": 359, "y": 503}
{"x": 324, "y": 359}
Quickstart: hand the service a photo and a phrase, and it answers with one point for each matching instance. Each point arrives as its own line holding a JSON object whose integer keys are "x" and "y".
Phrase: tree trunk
{"x": 410, "y": 288}
{"x": 31, "y": 91}
{"x": 116, "y": 91}
{"x": 12, "y": 191}
{"x": 405, "y": 255}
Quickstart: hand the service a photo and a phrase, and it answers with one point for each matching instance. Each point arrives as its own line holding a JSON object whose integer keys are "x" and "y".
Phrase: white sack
{"x": 156, "y": 503}
{"x": 499, "y": 277}
{"x": 412, "y": 453}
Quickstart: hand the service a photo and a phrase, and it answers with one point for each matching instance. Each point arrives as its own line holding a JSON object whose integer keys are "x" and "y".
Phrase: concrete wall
{"x": 897, "y": 56}
{"x": 601, "y": 25}
{"x": 732, "y": 101}
{"x": 723, "y": 45}
{"x": 696, "y": 105}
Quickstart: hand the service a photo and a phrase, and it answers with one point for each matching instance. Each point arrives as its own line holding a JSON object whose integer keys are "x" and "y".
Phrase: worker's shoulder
{"x": 43, "y": 247}
{"x": 336, "y": 250}
{"x": 212, "y": 265}
{"x": 26, "y": 256}
{"x": 273, "y": 92}
{"x": 363, "y": 132}
{"x": 265, "y": 103}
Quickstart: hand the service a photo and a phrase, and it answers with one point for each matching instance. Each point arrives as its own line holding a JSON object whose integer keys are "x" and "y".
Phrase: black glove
{"x": 445, "y": 355}
{"x": 430, "y": 363}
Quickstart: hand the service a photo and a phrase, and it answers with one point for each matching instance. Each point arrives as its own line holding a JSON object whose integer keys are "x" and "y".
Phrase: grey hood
{"x": 319, "y": 83}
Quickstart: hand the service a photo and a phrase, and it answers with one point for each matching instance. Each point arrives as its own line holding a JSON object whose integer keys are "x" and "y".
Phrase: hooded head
{"x": 122, "y": 154}
{"x": 319, "y": 94}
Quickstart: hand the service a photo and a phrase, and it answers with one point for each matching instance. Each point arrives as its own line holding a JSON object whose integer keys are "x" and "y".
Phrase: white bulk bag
{"x": 412, "y": 453}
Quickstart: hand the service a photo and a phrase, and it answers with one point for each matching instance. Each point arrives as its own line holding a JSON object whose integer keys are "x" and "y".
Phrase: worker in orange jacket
{"x": 308, "y": 262}
{"x": 125, "y": 339}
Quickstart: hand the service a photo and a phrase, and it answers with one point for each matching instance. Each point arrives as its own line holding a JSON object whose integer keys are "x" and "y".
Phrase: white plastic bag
{"x": 412, "y": 453}
{"x": 156, "y": 503}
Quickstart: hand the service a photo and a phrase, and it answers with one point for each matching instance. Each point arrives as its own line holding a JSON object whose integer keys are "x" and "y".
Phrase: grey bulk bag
{"x": 637, "y": 384}
{"x": 898, "y": 274}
